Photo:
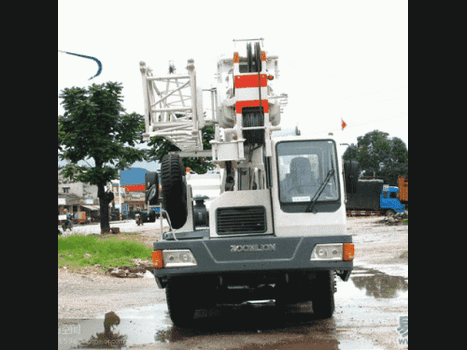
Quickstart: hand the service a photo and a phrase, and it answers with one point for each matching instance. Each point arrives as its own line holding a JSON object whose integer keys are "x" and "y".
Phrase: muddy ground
{"x": 367, "y": 316}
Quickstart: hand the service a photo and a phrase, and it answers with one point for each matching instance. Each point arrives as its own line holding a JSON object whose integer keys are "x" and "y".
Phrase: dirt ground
{"x": 87, "y": 295}
{"x": 378, "y": 243}
{"x": 380, "y": 250}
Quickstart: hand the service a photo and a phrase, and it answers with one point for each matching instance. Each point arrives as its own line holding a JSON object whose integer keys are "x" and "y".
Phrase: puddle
{"x": 137, "y": 326}
{"x": 378, "y": 284}
{"x": 79, "y": 333}
{"x": 250, "y": 327}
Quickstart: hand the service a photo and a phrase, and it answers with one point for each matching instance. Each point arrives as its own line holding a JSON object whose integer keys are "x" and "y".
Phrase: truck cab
{"x": 389, "y": 201}
{"x": 310, "y": 191}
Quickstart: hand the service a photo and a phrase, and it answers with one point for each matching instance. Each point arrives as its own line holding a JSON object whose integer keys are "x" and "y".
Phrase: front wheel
{"x": 323, "y": 295}
{"x": 180, "y": 304}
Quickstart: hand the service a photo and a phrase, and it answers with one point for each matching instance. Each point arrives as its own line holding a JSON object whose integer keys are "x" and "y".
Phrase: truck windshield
{"x": 303, "y": 167}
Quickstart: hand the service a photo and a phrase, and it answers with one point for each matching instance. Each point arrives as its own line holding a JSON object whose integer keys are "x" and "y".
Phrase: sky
{"x": 338, "y": 59}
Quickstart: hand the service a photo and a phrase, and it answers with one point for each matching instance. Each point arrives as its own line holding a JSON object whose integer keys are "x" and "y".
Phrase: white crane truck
{"x": 278, "y": 229}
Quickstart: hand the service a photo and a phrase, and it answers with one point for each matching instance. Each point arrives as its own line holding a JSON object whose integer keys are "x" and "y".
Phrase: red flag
{"x": 343, "y": 124}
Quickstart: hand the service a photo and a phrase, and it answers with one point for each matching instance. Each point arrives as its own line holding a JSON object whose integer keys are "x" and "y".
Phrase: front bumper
{"x": 252, "y": 254}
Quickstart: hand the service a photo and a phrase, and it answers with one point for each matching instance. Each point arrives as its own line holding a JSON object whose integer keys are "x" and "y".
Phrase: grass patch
{"x": 77, "y": 251}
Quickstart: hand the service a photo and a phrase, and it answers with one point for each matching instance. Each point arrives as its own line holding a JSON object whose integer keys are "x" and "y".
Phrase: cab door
{"x": 384, "y": 199}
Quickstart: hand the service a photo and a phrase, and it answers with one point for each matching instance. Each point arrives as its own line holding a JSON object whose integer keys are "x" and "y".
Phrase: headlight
{"x": 331, "y": 252}
{"x": 179, "y": 258}
{"x": 173, "y": 258}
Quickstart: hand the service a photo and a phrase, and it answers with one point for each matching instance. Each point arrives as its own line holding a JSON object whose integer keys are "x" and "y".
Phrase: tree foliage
{"x": 380, "y": 156}
{"x": 95, "y": 126}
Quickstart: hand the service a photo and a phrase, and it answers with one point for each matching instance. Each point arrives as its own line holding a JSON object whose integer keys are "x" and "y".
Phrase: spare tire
{"x": 174, "y": 189}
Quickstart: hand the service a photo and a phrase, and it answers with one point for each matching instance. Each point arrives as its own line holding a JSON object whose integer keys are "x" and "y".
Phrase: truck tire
{"x": 174, "y": 190}
{"x": 180, "y": 304}
{"x": 323, "y": 295}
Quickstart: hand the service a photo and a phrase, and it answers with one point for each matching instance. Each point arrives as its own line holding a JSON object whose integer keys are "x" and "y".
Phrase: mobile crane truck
{"x": 278, "y": 229}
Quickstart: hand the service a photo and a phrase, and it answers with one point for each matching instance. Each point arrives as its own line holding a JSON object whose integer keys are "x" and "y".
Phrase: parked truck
{"x": 370, "y": 197}
{"x": 277, "y": 231}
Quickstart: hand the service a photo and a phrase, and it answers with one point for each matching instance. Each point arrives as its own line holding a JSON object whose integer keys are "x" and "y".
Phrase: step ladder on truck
{"x": 278, "y": 229}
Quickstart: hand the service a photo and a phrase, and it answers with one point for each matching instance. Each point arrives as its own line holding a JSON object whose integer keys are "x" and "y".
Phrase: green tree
{"x": 397, "y": 163}
{"x": 61, "y": 134}
{"x": 380, "y": 156}
{"x": 159, "y": 147}
{"x": 95, "y": 126}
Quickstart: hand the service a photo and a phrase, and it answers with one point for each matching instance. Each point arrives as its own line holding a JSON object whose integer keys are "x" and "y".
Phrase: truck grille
{"x": 240, "y": 220}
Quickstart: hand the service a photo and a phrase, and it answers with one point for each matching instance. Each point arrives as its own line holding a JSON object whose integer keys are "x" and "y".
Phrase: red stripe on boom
{"x": 249, "y": 81}
{"x": 242, "y": 104}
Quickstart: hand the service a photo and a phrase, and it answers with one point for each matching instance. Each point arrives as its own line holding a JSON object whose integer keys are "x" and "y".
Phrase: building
{"x": 134, "y": 197}
{"x": 78, "y": 199}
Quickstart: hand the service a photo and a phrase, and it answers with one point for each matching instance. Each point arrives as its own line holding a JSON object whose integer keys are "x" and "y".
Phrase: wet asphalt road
{"x": 367, "y": 316}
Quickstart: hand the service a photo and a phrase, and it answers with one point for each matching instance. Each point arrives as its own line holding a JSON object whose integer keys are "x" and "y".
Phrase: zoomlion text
{"x": 253, "y": 248}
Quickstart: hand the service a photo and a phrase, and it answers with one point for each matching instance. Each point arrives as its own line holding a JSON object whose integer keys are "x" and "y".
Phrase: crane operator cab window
{"x": 308, "y": 176}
